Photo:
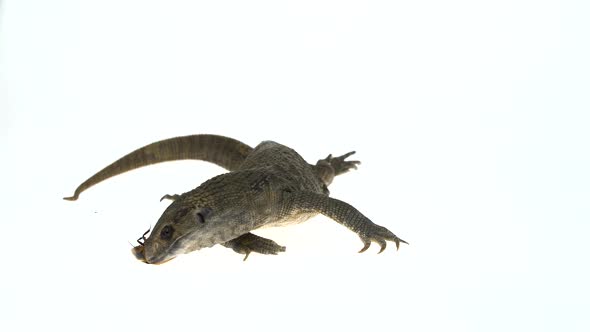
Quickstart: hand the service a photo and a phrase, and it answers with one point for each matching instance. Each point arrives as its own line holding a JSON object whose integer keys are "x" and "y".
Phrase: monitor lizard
{"x": 269, "y": 185}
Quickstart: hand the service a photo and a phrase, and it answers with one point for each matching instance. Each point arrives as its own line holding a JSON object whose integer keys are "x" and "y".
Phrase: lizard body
{"x": 266, "y": 186}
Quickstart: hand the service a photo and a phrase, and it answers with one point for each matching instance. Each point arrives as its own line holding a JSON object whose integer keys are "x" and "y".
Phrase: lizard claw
{"x": 397, "y": 242}
{"x": 367, "y": 244}
{"x": 383, "y": 245}
{"x": 380, "y": 235}
{"x": 248, "y": 252}
{"x": 273, "y": 250}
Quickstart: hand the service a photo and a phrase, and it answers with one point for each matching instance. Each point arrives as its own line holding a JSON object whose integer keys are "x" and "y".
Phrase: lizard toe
{"x": 398, "y": 241}
{"x": 367, "y": 243}
{"x": 383, "y": 245}
{"x": 380, "y": 235}
{"x": 341, "y": 165}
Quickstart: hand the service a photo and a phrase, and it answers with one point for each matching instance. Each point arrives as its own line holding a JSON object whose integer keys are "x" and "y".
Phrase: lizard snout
{"x": 149, "y": 255}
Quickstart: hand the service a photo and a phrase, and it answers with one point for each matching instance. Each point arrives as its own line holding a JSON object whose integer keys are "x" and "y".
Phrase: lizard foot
{"x": 380, "y": 235}
{"x": 170, "y": 197}
{"x": 339, "y": 164}
{"x": 249, "y": 243}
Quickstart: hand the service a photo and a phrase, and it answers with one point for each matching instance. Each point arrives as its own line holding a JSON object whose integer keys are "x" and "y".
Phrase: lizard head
{"x": 219, "y": 210}
{"x": 182, "y": 228}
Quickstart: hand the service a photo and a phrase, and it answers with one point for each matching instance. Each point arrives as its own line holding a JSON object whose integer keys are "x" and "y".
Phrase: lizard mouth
{"x": 183, "y": 244}
{"x": 152, "y": 256}
{"x": 139, "y": 253}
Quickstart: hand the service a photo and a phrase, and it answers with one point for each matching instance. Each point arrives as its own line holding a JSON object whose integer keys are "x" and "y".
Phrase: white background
{"x": 471, "y": 119}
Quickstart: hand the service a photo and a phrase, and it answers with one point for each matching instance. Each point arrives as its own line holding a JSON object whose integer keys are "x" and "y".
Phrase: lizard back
{"x": 284, "y": 166}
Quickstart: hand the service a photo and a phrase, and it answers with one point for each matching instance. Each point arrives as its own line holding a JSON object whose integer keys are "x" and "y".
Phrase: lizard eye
{"x": 166, "y": 232}
{"x": 201, "y": 218}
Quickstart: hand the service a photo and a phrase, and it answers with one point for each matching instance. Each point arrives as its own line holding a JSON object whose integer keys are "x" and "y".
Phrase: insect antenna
{"x": 142, "y": 239}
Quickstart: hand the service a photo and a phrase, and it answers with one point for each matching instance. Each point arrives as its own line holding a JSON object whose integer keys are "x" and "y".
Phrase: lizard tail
{"x": 223, "y": 151}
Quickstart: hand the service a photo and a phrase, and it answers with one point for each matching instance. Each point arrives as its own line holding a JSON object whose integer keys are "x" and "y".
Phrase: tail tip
{"x": 72, "y": 198}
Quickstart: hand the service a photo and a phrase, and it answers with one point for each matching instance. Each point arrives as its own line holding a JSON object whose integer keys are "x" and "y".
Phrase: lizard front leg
{"x": 342, "y": 213}
{"x": 247, "y": 243}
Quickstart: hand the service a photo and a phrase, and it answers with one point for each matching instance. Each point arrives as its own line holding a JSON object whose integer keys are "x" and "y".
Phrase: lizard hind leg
{"x": 170, "y": 197}
{"x": 329, "y": 167}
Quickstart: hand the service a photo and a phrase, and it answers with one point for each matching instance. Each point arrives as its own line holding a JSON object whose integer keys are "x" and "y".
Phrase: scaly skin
{"x": 223, "y": 151}
{"x": 270, "y": 185}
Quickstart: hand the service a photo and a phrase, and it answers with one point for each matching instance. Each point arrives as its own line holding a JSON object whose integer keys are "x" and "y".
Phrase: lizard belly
{"x": 293, "y": 219}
